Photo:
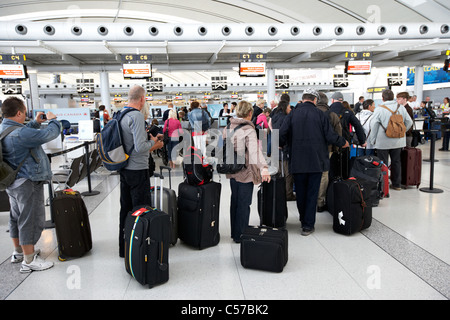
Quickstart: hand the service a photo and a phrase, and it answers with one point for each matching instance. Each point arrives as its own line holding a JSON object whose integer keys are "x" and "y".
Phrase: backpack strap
{"x": 4, "y": 134}
{"x": 384, "y": 107}
{"x": 120, "y": 116}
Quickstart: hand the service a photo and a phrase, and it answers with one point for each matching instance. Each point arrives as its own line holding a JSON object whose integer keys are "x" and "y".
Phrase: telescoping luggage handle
{"x": 161, "y": 168}
{"x": 161, "y": 179}
{"x": 273, "y": 200}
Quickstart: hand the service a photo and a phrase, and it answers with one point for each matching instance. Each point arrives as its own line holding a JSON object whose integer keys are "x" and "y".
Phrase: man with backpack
{"x": 347, "y": 119}
{"x": 21, "y": 148}
{"x": 134, "y": 177}
{"x": 389, "y": 124}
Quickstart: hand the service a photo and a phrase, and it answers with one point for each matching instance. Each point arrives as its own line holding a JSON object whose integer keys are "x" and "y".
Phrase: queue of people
{"x": 309, "y": 133}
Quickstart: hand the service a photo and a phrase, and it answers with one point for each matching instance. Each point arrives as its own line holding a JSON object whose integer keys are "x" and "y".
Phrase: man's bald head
{"x": 136, "y": 97}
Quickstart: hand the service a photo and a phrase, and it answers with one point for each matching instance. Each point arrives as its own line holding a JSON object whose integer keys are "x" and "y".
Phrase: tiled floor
{"x": 404, "y": 255}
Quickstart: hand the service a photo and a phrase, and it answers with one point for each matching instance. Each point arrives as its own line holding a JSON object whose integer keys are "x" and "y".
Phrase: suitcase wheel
{"x": 62, "y": 259}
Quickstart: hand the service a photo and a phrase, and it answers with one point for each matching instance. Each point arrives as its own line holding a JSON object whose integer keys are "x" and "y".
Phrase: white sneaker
{"x": 17, "y": 257}
{"x": 38, "y": 264}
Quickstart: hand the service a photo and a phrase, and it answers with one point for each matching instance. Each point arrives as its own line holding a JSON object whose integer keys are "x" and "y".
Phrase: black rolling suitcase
{"x": 335, "y": 175}
{"x": 169, "y": 205}
{"x": 369, "y": 168}
{"x": 265, "y": 248}
{"x": 73, "y": 230}
{"x": 198, "y": 214}
{"x": 353, "y": 211}
{"x": 147, "y": 241}
{"x": 269, "y": 205}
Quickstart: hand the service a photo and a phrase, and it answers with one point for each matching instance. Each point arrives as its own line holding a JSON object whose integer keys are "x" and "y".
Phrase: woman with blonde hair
{"x": 255, "y": 171}
{"x": 172, "y": 126}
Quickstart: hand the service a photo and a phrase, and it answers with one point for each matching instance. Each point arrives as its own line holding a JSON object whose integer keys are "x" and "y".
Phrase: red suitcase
{"x": 411, "y": 166}
{"x": 385, "y": 172}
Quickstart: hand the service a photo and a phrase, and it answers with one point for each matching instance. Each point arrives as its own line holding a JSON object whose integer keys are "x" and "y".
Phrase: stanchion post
{"x": 88, "y": 164}
{"x": 431, "y": 189}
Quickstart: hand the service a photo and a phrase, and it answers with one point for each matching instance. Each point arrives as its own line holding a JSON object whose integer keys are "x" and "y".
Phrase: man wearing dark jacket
{"x": 322, "y": 104}
{"x": 348, "y": 118}
{"x": 310, "y": 133}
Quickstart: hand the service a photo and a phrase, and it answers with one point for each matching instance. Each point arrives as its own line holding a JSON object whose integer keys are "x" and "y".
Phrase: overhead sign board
{"x": 358, "y": 55}
{"x": 136, "y": 57}
{"x": 356, "y": 67}
{"x": 252, "y": 69}
{"x": 13, "y": 57}
{"x": 253, "y": 56}
{"x": 12, "y": 71}
{"x": 137, "y": 71}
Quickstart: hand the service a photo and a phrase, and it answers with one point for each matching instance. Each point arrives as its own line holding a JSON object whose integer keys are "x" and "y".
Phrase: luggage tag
{"x": 70, "y": 191}
{"x": 139, "y": 212}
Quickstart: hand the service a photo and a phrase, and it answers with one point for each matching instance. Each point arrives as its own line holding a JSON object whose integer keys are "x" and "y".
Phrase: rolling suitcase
{"x": 198, "y": 214}
{"x": 352, "y": 211}
{"x": 147, "y": 240}
{"x": 266, "y": 206}
{"x": 265, "y": 248}
{"x": 411, "y": 159}
{"x": 335, "y": 175}
{"x": 369, "y": 168}
{"x": 169, "y": 205}
{"x": 73, "y": 230}
{"x": 385, "y": 172}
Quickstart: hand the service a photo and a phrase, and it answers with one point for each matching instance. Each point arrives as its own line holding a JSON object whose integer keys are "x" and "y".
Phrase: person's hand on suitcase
{"x": 265, "y": 175}
{"x": 346, "y": 145}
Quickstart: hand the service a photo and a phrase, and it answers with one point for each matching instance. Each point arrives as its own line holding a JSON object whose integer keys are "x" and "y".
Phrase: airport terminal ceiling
{"x": 200, "y": 36}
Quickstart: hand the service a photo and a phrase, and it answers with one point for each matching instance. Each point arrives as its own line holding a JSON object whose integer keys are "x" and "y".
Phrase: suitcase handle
{"x": 161, "y": 168}
{"x": 161, "y": 187}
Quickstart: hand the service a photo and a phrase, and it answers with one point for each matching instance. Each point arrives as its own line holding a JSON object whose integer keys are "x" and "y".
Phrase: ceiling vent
{"x": 49, "y": 30}
{"x": 128, "y": 31}
{"x": 102, "y": 30}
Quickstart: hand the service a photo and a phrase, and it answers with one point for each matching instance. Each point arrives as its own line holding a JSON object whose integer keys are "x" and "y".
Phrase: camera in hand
{"x": 154, "y": 130}
{"x": 43, "y": 117}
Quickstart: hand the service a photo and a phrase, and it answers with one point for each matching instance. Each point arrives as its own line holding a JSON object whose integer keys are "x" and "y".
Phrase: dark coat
{"x": 349, "y": 118}
{"x": 310, "y": 131}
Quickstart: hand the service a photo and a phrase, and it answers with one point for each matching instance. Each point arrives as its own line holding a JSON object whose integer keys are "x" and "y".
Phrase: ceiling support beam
{"x": 385, "y": 56}
{"x": 214, "y": 57}
{"x": 423, "y": 55}
{"x": 64, "y": 57}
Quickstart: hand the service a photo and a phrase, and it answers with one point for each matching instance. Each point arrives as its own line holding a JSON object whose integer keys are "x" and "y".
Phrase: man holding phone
{"x": 26, "y": 194}
{"x": 134, "y": 177}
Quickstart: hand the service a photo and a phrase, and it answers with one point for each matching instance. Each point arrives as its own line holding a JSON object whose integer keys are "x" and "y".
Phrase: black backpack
{"x": 237, "y": 162}
{"x": 197, "y": 173}
{"x": 345, "y": 127}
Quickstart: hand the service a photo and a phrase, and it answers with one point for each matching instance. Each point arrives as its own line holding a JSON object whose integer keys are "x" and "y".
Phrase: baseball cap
{"x": 311, "y": 91}
{"x": 337, "y": 96}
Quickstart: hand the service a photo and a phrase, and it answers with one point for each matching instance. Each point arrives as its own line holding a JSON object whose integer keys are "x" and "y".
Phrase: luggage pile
{"x": 350, "y": 201}
{"x": 193, "y": 215}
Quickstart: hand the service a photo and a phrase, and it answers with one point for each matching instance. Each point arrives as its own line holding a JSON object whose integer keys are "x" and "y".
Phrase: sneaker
{"x": 38, "y": 264}
{"x": 307, "y": 232}
{"x": 17, "y": 257}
